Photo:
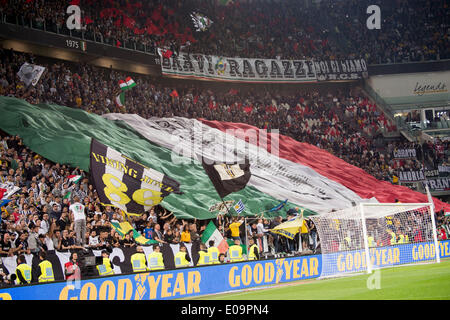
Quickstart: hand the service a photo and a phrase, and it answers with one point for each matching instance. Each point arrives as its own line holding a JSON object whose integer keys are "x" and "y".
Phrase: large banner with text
{"x": 185, "y": 282}
{"x": 207, "y": 67}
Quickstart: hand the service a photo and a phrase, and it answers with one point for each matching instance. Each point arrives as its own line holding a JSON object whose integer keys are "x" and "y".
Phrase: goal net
{"x": 376, "y": 235}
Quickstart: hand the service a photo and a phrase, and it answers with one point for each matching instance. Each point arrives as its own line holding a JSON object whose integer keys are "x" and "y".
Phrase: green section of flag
{"x": 120, "y": 99}
{"x": 63, "y": 135}
{"x": 209, "y": 230}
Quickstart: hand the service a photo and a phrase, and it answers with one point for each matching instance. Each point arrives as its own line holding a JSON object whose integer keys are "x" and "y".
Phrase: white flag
{"x": 30, "y": 73}
{"x": 201, "y": 22}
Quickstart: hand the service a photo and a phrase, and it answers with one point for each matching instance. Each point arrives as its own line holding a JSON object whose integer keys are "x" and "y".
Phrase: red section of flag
{"x": 2, "y": 192}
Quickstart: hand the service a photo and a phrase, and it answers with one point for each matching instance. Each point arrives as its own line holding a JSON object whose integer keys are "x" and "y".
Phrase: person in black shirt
{"x": 21, "y": 243}
{"x": 67, "y": 242}
{"x": 276, "y": 237}
{"x": 168, "y": 236}
{"x": 128, "y": 241}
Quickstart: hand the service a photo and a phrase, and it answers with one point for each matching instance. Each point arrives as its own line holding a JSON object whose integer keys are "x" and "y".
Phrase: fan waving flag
{"x": 125, "y": 183}
{"x": 120, "y": 99}
{"x": 289, "y": 228}
{"x": 227, "y": 178}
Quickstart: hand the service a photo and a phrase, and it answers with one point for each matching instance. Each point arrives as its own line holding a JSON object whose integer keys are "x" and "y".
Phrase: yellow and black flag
{"x": 227, "y": 177}
{"x": 126, "y": 184}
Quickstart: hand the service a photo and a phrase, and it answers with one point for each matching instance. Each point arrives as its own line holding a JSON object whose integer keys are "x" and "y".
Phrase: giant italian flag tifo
{"x": 308, "y": 177}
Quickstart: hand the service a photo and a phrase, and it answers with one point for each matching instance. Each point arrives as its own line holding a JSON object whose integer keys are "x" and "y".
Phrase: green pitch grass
{"x": 416, "y": 282}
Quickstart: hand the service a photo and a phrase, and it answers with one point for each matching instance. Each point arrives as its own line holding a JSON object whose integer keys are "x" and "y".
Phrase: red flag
{"x": 212, "y": 105}
{"x": 174, "y": 94}
{"x": 128, "y": 22}
{"x": 248, "y": 109}
{"x": 139, "y": 31}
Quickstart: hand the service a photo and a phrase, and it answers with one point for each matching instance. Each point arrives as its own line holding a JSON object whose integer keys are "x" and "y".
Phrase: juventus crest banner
{"x": 126, "y": 184}
{"x": 227, "y": 177}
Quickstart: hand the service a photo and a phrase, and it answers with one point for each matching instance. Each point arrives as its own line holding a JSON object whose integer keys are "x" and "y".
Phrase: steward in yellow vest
{"x": 403, "y": 238}
{"x": 235, "y": 252}
{"x": 204, "y": 256}
{"x": 155, "y": 259}
{"x": 213, "y": 253}
{"x": 45, "y": 270}
{"x": 393, "y": 237}
{"x": 253, "y": 250}
{"x": 182, "y": 259}
{"x": 138, "y": 260}
{"x": 23, "y": 271}
{"x": 105, "y": 269}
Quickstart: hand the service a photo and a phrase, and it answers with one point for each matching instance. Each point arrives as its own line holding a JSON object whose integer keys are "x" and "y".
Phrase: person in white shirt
{"x": 93, "y": 240}
{"x": 79, "y": 220}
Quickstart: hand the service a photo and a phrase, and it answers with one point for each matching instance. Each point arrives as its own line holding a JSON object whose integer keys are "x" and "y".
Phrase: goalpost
{"x": 376, "y": 235}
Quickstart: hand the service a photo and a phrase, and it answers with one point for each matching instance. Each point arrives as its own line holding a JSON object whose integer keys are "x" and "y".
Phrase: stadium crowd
{"x": 344, "y": 122}
{"x": 40, "y": 216}
{"x": 410, "y": 30}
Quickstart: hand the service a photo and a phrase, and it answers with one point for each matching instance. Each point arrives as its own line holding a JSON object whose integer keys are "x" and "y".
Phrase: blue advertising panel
{"x": 186, "y": 282}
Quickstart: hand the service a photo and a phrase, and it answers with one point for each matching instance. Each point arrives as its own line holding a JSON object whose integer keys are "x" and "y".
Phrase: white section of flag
{"x": 212, "y": 233}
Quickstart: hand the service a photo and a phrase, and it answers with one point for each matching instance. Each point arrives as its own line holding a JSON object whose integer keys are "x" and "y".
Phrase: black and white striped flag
{"x": 125, "y": 183}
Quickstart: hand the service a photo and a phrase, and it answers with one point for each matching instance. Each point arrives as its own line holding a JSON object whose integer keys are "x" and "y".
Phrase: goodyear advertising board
{"x": 355, "y": 261}
{"x": 172, "y": 284}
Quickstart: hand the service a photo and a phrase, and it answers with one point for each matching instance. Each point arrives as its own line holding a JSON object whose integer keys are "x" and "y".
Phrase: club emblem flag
{"x": 30, "y": 73}
{"x": 126, "y": 184}
{"x": 228, "y": 177}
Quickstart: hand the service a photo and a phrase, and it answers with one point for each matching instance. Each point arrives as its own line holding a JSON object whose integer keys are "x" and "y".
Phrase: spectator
{"x": 234, "y": 228}
{"x": 185, "y": 234}
{"x": 6, "y": 249}
{"x": 157, "y": 235}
